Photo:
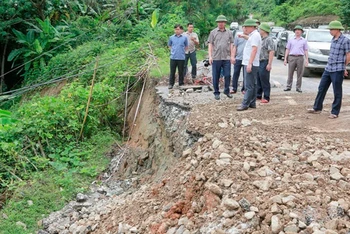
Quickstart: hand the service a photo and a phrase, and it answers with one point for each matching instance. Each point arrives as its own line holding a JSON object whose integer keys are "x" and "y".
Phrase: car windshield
{"x": 319, "y": 36}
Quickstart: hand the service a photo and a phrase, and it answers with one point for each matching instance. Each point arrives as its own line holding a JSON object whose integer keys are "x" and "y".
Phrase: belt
{"x": 261, "y": 60}
{"x": 296, "y": 55}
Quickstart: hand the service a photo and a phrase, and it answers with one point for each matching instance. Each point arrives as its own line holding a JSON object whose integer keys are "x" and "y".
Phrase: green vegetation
{"x": 53, "y": 139}
{"x": 292, "y": 10}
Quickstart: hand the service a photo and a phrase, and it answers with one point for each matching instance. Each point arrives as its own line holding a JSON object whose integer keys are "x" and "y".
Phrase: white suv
{"x": 319, "y": 42}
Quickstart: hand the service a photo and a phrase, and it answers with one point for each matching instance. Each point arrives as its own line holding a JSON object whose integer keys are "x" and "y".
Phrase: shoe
{"x": 264, "y": 101}
{"x": 243, "y": 92}
{"x": 252, "y": 106}
{"x": 287, "y": 89}
{"x": 170, "y": 87}
{"x": 217, "y": 97}
{"x": 233, "y": 91}
{"x": 229, "y": 95}
{"x": 242, "y": 108}
{"x": 258, "y": 98}
{"x": 299, "y": 91}
{"x": 313, "y": 111}
{"x": 332, "y": 116}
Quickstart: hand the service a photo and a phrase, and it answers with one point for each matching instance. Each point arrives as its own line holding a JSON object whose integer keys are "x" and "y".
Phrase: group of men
{"x": 253, "y": 50}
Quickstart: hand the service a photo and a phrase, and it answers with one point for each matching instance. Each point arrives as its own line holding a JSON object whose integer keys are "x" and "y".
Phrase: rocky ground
{"x": 274, "y": 169}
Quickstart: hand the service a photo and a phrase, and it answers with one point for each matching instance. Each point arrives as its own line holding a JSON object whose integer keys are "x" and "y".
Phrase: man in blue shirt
{"x": 178, "y": 45}
{"x": 339, "y": 58}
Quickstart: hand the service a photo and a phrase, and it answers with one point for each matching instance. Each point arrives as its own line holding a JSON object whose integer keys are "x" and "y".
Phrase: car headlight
{"x": 315, "y": 50}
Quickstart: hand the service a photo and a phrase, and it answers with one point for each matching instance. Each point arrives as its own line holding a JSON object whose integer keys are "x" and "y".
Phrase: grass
{"x": 51, "y": 190}
{"x": 162, "y": 69}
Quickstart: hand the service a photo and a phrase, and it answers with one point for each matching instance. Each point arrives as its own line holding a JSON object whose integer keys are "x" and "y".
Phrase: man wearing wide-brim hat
{"x": 220, "y": 50}
{"x": 296, "y": 54}
{"x": 251, "y": 62}
{"x": 339, "y": 58}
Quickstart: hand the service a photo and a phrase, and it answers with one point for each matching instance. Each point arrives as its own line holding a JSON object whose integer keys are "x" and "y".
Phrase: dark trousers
{"x": 249, "y": 99}
{"x": 236, "y": 73}
{"x": 226, "y": 66}
{"x": 193, "y": 59}
{"x": 179, "y": 64}
{"x": 336, "y": 78}
{"x": 263, "y": 82}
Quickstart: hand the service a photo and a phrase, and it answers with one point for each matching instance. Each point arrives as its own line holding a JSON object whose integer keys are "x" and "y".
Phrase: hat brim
{"x": 339, "y": 28}
{"x": 298, "y": 29}
{"x": 250, "y": 25}
{"x": 221, "y": 21}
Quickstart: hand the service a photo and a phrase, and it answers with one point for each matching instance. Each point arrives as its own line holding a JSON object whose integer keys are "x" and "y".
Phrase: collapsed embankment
{"x": 158, "y": 136}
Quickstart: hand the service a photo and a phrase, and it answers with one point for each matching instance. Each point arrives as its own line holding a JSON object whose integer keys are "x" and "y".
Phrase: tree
{"x": 345, "y": 12}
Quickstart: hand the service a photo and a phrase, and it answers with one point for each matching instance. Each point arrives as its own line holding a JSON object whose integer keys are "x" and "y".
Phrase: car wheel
{"x": 278, "y": 53}
{"x": 306, "y": 72}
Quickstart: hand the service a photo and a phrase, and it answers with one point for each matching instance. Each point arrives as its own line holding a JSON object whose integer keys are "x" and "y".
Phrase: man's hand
{"x": 285, "y": 62}
{"x": 306, "y": 63}
{"x": 268, "y": 67}
{"x": 249, "y": 68}
{"x": 346, "y": 73}
{"x": 233, "y": 60}
{"x": 210, "y": 60}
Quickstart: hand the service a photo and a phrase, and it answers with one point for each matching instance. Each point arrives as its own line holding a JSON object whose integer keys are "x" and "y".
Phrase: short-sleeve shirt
{"x": 191, "y": 44}
{"x": 239, "y": 42}
{"x": 178, "y": 45}
{"x": 221, "y": 42}
{"x": 297, "y": 46}
{"x": 267, "y": 46}
{"x": 253, "y": 41}
{"x": 337, "y": 55}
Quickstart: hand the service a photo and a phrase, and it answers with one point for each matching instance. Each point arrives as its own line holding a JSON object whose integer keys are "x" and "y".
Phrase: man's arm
{"x": 233, "y": 60}
{"x": 306, "y": 58}
{"x": 347, "y": 61}
{"x": 234, "y": 52}
{"x": 269, "y": 65}
{"x": 196, "y": 40}
{"x": 251, "y": 59}
{"x": 286, "y": 57}
{"x": 210, "y": 51}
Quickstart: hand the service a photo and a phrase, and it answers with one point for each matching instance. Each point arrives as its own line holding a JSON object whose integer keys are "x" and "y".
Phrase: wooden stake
{"x": 89, "y": 99}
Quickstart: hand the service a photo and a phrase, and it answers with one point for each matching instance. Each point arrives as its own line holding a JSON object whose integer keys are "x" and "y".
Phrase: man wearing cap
{"x": 266, "y": 57}
{"x": 191, "y": 51}
{"x": 339, "y": 58}
{"x": 251, "y": 55}
{"x": 178, "y": 45}
{"x": 238, "y": 47}
{"x": 296, "y": 50}
{"x": 220, "y": 50}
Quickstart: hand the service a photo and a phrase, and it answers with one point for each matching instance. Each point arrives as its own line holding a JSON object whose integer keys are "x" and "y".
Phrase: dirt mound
{"x": 314, "y": 21}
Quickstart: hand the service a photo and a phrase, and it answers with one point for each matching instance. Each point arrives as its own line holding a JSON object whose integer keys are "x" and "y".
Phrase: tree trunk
{"x": 3, "y": 66}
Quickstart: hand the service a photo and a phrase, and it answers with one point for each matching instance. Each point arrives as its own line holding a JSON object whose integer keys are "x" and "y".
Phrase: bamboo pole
{"x": 89, "y": 100}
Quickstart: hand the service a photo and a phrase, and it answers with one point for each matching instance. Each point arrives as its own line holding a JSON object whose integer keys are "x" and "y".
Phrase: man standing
{"x": 339, "y": 58}
{"x": 221, "y": 55}
{"x": 251, "y": 63}
{"x": 266, "y": 57}
{"x": 178, "y": 45}
{"x": 238, "y": 47}
{"x": 191, "y": 51}
{"x": 296, "y": 51}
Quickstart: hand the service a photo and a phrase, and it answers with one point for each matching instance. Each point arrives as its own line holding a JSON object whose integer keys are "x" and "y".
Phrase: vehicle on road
{"x": 234, "y": 26}
{"x": 282, "y": 43}
{"x": 276, "y": 39}
{"x": 319, "y": 42}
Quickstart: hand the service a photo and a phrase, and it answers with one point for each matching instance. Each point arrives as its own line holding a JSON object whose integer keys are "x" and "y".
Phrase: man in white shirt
{"x": 251, "y": 64}
{"x": 191, "y": 51}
